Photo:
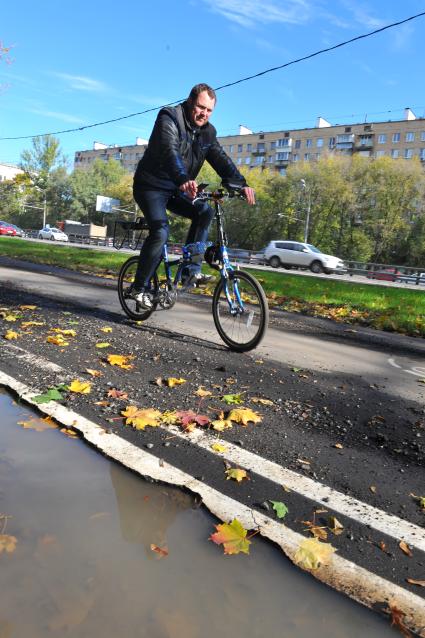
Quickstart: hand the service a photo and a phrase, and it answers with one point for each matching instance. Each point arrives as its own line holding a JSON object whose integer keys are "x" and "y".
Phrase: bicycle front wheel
{"x": 240, "y": 311}
{"x": 125, "y": 281}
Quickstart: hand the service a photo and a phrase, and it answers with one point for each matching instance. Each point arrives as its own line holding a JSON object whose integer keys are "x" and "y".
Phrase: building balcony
{"x": 363, "y": 146}
{"x": 257, "y": 152}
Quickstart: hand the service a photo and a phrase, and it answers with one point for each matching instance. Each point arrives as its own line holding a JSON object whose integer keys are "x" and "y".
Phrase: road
{"x": 341, "y": 431}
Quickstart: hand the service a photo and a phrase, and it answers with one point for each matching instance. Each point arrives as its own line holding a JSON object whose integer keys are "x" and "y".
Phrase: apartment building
{"x": 399, "y": 139}
{"x": 9, "y": 171}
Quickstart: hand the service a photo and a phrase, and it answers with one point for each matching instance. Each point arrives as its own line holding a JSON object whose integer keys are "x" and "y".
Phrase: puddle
{"x": 83, "y": 564}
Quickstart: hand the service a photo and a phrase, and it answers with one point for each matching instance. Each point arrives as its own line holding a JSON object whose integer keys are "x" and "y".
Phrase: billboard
{"x": 106, "y": 204}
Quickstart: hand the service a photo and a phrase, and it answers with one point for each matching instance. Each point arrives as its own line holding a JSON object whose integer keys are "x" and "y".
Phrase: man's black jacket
{"x": 176, "y": 151}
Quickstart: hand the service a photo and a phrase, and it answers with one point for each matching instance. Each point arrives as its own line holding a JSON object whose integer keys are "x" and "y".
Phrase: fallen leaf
{"x": 262, "y": 401}
{"x": 188, "y": 416}
{"x": 237, "y": 474}
{"x": 170, "y": 417}
{"x": 217, "y": 447}
{"x": 339, "y": 446}
{"x": 120, "y": 360}
{"x": 38, "y": 425}
{"x": 27, "y": 307}
{"x": 202, "y": 392}
{"x": 52, "y": 394}
{"x": 57, "y": 341}
{"x": 317, "y": 530}
{"x": 69, "y": 432}
{"x": 68, "y": 332}
{"x": 244, "y": 416}
{"x": 8, "y": 317}
{"x": 94, "y": 373}
{"x": 280, "y": 508}
{"x": 11, "y": 334}
{"x": 140, "y": 418}
{"x": 405, "y": 548}
{"x": 232, "y": 536}
{"x": 106, "y": 329}
{"x": 372, "y": 489}
{"x": 161, "y": 551}
{"x": 312, "y": 553}
{"x": 335, "y": 526}
{"x": 7, "y": 543}
{"x": 172, "y": 381}
{"x": 102, "y": 403}
{"x": 80, "y": 387}
{"x": 103, "y": 345}
{"x": 30, "y": 324}
{"x": 117, "y": 394}
{"x": 412, "y": 581}
{"x": 397, "y": 617}
{"x": 221, "y": 424}
{"x": 232, "y": 398}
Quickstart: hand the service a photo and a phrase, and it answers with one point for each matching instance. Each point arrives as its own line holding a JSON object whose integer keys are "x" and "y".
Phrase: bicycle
{"x": 239, "y": 305}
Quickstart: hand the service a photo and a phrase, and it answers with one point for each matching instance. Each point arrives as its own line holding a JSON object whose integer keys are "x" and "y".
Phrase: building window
{"x": 282, "y": 171}
{"x": 260, "y": 147}
{"x": 410, "y": 137}
{"x": 247, "y": 160}
{"x": 332, "y": 141}
{"x": 249, "y": 147}
{"x": 295, "y": 157}
{"x": 380, "y": 153}
{"x": 308, "y": 143}
{"x": 368, "y": 127}
{"x": 230, "y": 148}
{"x": 382, "y": 138}
{"x": 319, "y": 142}
{"x": 394, "y": 153}
{"x": 396, "y": 137}
{"x": 283, "y": 142}
{"x": 272, "y": 145}
{"x": 306, "y": 157}
{"x": 240, "y": 148}
{"x": 408, "y": 153}
{"x": 344, "y": 138}
{"x": 422, "y": 154}
{"x": 261, "y": 136}
{"x": 239, "y": 160}
{"x": 259, "y": 159}
{"x": 270, "y": 159}
{"x": 348, "y": 129}
{"x": 423, "y": 136}
{"x": 297, "y": 143}
{"x": 282, "y": 156}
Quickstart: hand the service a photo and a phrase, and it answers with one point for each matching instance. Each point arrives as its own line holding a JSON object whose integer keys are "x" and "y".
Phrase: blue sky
{"x": 82, "y": 62}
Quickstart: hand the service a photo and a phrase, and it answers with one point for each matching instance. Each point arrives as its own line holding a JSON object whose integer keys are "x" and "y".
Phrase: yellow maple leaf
{"x": 7, "y": 543}
{"x": 172, "y": 381}
{"x": 217, "y": 447}
{"x": 237, "y": 474}
{"x": 8, "y": 317}
{"x": 140, "y": 417}
{"x": 80, "y": 387}
{"x": 102, "y": 345}
{"x": 232, "y": 536}
{"x": 106, "y": 329}
{"x": 312, "y": 553}
{"x": 201, "y": 392}
{"x": 11, "y": 334}
{"x": 120, "y": 360}
{"x": 221, "y": 424}
{"x": 170, "y": 417}
{"x": 244, "y": 416}
{"x": 68, "y": 332}
{"x": 58, "y": 340}
{"x": 26, "y": 307}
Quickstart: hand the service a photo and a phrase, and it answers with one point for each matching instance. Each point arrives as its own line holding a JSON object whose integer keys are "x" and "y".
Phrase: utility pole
{"x": 307, "y": 194}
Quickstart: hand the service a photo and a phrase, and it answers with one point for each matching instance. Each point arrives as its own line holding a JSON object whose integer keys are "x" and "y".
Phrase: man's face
{"x": 201, "y": 110}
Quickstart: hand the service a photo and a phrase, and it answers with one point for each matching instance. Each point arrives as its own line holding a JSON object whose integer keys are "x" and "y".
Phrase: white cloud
{"x": 363, "y": 16}
{"x": 65, "y": 117}
{"x": 81, "y": 83}
{"x": 247, "y": 13}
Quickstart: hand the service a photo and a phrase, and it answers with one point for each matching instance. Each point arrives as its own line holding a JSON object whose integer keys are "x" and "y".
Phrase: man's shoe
{"x": 142, "y": 298}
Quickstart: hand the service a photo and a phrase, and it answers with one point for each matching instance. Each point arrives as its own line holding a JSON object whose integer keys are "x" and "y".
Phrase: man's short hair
{"x": 199, "y": 88}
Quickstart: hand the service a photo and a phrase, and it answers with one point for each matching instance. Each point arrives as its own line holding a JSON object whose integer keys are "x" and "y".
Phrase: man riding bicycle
{"x": 181, "y": 140}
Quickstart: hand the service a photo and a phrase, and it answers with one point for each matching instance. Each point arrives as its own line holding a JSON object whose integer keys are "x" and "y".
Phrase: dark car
{"x": 7, "y": 229}
{"x": 384, "y": 274}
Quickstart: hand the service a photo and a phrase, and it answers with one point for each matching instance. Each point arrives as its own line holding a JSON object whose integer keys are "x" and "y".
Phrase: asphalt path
{"x": 341, "y": 434}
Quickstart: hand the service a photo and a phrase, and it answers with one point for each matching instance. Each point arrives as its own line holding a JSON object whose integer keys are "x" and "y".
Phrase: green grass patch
{"x": 382, "y": 307}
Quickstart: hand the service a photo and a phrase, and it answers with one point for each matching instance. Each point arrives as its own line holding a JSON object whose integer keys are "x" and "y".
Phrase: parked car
{"x": 384, "y": 274}
{"x": 291, "y": 254}
{"x": 52, "y": 233}
{"x": 19, "y": 231}
{"x": 7, "y": 229}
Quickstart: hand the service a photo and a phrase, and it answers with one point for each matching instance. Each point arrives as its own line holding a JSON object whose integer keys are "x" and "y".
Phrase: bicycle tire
{"x": 242, "y": 331}
{"x": 125, "y": 280}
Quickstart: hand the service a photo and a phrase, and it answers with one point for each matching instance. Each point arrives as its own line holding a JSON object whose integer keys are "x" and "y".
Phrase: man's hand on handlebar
{"x": 249, "y": 194}
{"x": 190, "y": 188}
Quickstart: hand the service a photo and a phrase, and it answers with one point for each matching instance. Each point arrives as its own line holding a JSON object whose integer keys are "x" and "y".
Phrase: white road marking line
{"x": 341, "y": 574}
{"x": 33, "y": 359}
{"x": 416, "y": 371}
{"x": 393, "y": 363}
{"x": 318, "y": 492}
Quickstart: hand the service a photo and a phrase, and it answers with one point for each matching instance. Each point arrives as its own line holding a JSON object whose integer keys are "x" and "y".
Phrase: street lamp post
{"x": 308, "y": 211}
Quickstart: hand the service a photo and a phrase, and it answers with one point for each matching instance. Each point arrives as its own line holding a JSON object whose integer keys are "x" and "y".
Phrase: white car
{"x": 295, "y": 254}
{"x": 52, "y": 233}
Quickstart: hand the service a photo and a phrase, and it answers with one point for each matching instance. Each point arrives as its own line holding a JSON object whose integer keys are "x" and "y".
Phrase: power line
{"x": 229, "y": 84}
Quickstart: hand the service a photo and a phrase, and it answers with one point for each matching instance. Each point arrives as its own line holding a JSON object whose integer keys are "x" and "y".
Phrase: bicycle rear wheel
{"x": 242, "y": 323}
{"x": 125, "y": 281}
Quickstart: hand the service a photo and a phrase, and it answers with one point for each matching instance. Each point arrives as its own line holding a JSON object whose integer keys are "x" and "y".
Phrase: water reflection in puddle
{"x": 84, "y": 567}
